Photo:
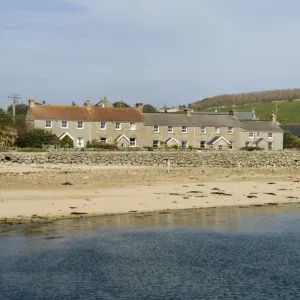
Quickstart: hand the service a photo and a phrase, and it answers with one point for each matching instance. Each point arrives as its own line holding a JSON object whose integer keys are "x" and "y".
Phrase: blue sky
{"x": 150, "y": 51}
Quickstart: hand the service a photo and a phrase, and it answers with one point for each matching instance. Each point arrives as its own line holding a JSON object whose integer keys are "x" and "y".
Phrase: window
{"x": 217, "y": 129}
{"x": 230, "y": 130}
{"x": 270, "y": 135}
{"x": 203, "y": 129}
{"x": 184, "y": 144}
{"x": 251, "y": 135}
{"x": 230, "y": 146}
{"x": 64, "y": 124}
{"x": 247, "y": 144}
{"x": 117, "y": 126}
{"x": 202, "y": 144}
{"x": 48, "y": 124}
{"x": 270, "y": 146}
{"x": 132, "y": 126}
{"x": 80, "y": 125}
{"x": 103, "y": 125}
{"x": 170, "y": 129}
{"x": 132, "y": 142}
{"x": 155, "y": 144}
{"x": 184, "y": 129}
{"x": 103, "y": 140}
{"x": 220, "y": 147}
{"x": 156, "y": 129}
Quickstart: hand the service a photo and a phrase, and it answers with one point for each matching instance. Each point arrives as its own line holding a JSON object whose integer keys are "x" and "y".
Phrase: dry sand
{"x": 37, "y": 194}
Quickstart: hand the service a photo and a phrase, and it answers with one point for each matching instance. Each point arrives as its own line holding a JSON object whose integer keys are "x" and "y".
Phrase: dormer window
{"x": 64, "y": 124}
{"x": 48, "y": 124}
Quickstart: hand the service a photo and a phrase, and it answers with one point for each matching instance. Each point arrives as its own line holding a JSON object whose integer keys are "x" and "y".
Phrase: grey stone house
{"x": 128, "y": 127}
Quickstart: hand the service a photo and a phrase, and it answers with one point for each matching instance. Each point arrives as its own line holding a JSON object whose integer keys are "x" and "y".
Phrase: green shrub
{"x": 66, "y": 142}
{"x": 101, "y": 146}
{"x": 36, "y": 138}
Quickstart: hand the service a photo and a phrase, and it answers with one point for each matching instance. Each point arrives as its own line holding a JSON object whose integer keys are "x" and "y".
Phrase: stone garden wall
{"x": 180, "y": 159}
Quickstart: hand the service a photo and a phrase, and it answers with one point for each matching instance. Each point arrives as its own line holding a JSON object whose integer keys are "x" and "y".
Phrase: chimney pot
{"x": 31, "y": 102}
{"x": 88, "y": 105}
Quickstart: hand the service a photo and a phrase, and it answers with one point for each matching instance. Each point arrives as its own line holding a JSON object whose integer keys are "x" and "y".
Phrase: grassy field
{"x": 287, "y": 112}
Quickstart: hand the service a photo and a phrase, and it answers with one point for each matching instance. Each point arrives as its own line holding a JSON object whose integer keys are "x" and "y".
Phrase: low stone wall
{"x": 176, "y": 159}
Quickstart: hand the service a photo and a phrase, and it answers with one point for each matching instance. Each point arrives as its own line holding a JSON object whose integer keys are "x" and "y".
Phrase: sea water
{"x": 229, "y": 253}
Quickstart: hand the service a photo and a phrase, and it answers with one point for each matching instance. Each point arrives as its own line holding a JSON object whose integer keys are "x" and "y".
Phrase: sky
{"x": 149, "y": 51}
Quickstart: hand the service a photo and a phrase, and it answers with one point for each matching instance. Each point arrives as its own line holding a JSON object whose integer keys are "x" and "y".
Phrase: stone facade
{"x": 205, "y": 159}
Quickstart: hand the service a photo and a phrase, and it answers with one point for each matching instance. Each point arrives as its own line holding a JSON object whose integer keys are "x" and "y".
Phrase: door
{"x": 80, "y": 142}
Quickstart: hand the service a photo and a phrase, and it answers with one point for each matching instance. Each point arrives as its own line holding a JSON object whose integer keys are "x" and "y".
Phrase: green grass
{"x": 287, "y": 112}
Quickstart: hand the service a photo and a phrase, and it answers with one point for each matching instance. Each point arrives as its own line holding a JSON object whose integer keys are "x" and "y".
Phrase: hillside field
{"x": 288, "y": 112}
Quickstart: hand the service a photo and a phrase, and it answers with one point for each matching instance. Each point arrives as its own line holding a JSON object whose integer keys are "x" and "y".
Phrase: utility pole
{"x": 15, "y": 99}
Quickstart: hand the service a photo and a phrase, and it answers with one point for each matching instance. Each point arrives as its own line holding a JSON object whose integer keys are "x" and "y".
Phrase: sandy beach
{"x": 39, "y": 194}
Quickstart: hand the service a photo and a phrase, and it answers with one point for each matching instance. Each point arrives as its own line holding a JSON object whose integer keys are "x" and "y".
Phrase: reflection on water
{"x": 217, "y": 253}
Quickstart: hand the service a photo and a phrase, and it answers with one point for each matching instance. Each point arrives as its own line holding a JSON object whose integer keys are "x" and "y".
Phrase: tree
{"x": 36, "y": 138}
{"x": 5, "y": 119}
{"x": 148, "y": 108}
{"x": 73, "y": 103}
{"x": 121, "y": 104}
{"x": 290, "y": 141}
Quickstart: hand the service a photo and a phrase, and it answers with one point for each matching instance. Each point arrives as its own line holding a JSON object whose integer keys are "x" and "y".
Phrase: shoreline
{"x": 40, "y": 196}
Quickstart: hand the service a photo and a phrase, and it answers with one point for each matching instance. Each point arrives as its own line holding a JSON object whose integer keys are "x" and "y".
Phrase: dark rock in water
{"x": 251, "y": 196}
{"x": 272, "y": 203}
{"x": 296, "y": 181}
{"x": 271, "y": 183}
{"x": 73, "y": 207}
{"x": 252, "y": 193}
{"x": 200, "y": 184}
{"x": 175, "y": 194}
{"x": 186, "y": 197}
{"x": 164, "y": 212}
{"x": 195, "y": 192}
{"x": 215, "y": 189}
{"x": 221, "y": 194}
{"x": 175, "y": 202}
{"x": 292, "y": 197}
{"x": 54, "y": 237}
{"x": 67, "y": 183}
{"x": 78, "y": 213}
{"x": 272, "y": 194}
{"x": 185, "y": 186}
{"x": 282, "y": 190}
{"x": 133, "y": 211}
{"x": 258, "y": 205}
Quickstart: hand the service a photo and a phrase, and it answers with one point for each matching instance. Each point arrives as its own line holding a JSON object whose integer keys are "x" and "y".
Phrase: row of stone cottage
{"x": 129, "y": 127}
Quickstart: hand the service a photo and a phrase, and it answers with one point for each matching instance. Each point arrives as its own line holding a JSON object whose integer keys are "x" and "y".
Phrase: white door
{"x": 80, "y": 142}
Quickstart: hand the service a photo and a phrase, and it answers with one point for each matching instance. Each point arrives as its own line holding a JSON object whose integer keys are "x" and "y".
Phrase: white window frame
{"x": 270, "y": 135}
{"x": 102, "y": 128}
{"x": 272, "y": 146}
{"x": 170, "y": 129}
{"x": 251, "y": 135}
{"x": 130, "y": 142}
{"x": 184, "y": 129}
{"x": 203, "y": 129}
{"x": 155, "y": 128}
{"x": 67, "y": 125}
{"x": 155, "y": 145}
{"x": 230, "y": 130}
{"x": 104, "y": 142}
{"x": 82, "y": 127}
{"x": 46, "y": 124}
{"x": 132, "y": 126}
{"x": 217, "y": 130}
{"x": 118, "y": 126}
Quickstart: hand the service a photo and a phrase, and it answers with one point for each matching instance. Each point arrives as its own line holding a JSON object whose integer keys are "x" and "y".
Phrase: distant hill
{"x": 287, "y": 112}
{"x": 247, "y": 98}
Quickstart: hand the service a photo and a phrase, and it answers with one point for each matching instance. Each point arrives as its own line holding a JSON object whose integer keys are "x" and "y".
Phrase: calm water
{"x": 246, "y": 253}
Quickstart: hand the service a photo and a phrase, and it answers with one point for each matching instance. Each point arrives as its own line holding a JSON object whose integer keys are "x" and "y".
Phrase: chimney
{"x": 31, "y": 102}
{"x": 139, "y": 106}
{"x": 253, "y": 114}
{"x": 88, "y": 105}
{"x": 188, "y": 112}
{"x": 273, "y": 117}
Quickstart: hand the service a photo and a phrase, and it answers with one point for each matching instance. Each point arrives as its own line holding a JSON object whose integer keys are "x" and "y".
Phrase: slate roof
{"x": 170, "y": 119}
{"x": 79, "y": 113}
{"x": 267, "y": 126}
{"x": 240, "y": 115}
{"x": 293, "y": 129}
